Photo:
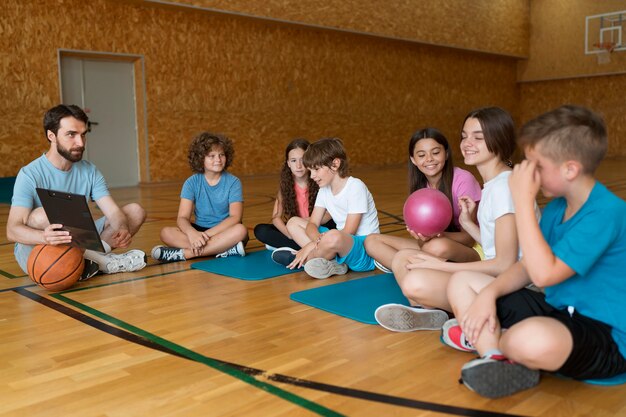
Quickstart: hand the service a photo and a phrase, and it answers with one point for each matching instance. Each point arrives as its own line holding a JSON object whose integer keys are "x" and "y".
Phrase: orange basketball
{"x": 55, "y": 267}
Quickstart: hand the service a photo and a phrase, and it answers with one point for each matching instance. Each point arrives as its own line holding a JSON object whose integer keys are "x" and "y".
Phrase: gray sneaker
{"x": 401, "y": 318}
{"x": 237, "y": 250}
{"x": 496, "y": 376}
{"x": 131, "y": 261}
{"x": 321, "y": 268}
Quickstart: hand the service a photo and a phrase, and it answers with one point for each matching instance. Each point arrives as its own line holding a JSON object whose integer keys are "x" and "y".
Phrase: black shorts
{"x": 594, "y": 354}
{"x": 199, "y": 228}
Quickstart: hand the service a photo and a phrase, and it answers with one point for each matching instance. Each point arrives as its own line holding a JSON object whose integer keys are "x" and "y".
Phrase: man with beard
{"x": 61, "y": 168}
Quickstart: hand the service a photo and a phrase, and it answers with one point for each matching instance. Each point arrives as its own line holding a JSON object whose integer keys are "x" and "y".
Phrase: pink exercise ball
{"x": 427, "y": 211}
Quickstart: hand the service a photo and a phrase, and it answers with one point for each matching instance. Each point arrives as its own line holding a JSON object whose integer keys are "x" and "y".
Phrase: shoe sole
{"x": 321, "y": 268}
{"x": 400, "y": 318}
{"x": 382, "y": 268}
{"x": 496, "y": 379}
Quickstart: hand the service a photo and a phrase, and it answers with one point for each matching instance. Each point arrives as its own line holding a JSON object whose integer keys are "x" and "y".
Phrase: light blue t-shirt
{"x": 83, "y": 178}
{"x": 593, "y": 243}
{"x": 212, "y": 202}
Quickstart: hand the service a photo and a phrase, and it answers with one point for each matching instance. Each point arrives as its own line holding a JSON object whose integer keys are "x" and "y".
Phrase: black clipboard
{"x": 72, "y": 211}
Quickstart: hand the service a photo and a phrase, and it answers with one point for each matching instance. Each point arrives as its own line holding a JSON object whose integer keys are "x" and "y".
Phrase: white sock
{"x": 98, "y": 257}
{"x": 492, "y": 352}
{"x": 106, "y": 246}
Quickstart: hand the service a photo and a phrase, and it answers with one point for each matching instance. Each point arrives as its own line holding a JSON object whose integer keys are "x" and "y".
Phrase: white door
{"x": 106, "y": 91}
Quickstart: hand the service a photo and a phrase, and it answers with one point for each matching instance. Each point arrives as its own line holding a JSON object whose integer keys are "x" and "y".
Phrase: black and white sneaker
{"x": 166, "y": 254}
{"x": 284, "y": 256}
{"x": 91, "y": 268}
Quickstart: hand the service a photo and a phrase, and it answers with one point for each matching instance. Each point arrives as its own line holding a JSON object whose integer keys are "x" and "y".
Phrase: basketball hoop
{"x": 606, "y": 48}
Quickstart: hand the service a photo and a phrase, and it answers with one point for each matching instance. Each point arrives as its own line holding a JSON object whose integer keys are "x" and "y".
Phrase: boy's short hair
{"x": 568, "y": 133}
{"x": 204, "y": 143}
{"x": 324, "y": 152}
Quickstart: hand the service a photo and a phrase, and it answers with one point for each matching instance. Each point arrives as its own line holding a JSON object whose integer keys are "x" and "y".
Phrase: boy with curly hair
{"x": 215, "y": 198}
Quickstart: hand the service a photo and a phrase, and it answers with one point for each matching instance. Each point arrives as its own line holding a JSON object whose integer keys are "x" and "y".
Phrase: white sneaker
{"x": 270, "y": 248}
{"x": 401, "y": 318}
{"x": 131, "y": 261}
{"x": 235, "y": 250}
{"x": 382, "y": 267}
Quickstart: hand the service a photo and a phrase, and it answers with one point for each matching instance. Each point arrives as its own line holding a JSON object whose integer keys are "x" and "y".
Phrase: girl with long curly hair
{"x": 296, "y": 197}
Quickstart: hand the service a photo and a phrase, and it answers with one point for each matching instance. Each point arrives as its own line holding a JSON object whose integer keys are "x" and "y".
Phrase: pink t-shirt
{"x": 302, "y": 200}
{"x": 463, "y": 184}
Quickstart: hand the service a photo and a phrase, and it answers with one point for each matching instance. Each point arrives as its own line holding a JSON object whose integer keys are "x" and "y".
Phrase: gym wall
{"x": 558, "y": 71}
{"x": 260, "y": 82}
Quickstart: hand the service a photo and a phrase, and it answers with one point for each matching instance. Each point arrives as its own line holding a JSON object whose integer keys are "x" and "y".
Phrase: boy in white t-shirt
{"x": 331, "y": 252}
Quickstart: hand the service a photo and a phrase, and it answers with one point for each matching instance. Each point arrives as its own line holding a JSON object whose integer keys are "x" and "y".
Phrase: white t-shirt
{"x": 495, "y": 202}
{"x": 354, "y": 198}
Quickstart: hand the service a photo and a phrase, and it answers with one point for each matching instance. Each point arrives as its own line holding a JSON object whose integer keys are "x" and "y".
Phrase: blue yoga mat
{"x": 6, "y": 189}
{"x": 252, "y": 267}
{"x": 356, "y": 299}
{"x": 615, "y": 380}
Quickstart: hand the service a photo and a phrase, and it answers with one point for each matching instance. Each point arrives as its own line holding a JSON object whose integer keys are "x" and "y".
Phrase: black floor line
{"x": 284, "y": 379}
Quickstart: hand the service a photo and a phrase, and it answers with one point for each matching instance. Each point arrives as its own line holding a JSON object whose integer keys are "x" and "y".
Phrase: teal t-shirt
{"x": 212, "y": 202}
{"x": 593, "y": 243}
{"x": 83, "y": 178}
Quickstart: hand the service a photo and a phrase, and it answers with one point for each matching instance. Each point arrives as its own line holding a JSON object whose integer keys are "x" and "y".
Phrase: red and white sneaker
{"x": 453, "y": 336}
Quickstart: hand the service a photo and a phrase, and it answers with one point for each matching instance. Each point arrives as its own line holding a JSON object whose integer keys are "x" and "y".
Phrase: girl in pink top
{"x": 296, "y": 197}
{"x": 430, "y": 165}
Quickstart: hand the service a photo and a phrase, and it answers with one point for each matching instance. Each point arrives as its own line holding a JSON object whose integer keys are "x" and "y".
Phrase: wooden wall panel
{"x": 499, "y": 27}
{"x": 262, "y": 83}
{"x": 557, "y": 40}
{"x": 602, "y": 94}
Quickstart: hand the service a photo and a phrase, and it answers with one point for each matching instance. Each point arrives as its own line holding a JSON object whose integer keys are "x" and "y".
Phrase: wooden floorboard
{"x": 172, "y": 341}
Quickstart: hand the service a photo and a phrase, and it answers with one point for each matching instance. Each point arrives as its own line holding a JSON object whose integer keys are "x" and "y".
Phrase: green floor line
{"x": 190, "y": 354}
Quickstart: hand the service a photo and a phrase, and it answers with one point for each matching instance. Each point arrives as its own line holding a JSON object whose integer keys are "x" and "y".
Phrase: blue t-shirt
{"x": 593, "y": 243}
{"x": 83, "y": 178}
{"x": 212, "y": 202}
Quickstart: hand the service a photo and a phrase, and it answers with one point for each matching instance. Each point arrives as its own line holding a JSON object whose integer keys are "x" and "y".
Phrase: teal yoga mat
{"x": 356, "y": 299}
{"x": 6, "y": 189}
{"x": 615, "y": 380}
{"x": 254, "y": 266}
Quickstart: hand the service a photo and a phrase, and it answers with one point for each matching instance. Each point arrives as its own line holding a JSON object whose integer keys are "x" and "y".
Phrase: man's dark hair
{"x": 52, "y": 118}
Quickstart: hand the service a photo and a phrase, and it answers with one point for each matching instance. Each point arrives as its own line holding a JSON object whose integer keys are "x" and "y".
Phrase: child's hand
{"x": 421, "y": 237}
{"x": 468, "y": 207}
{"x": 524, "y": 182}
{"x": 482, "y": 312}
{"x": 423, "y": 260}
{"x": 197, "y": 241}
{"x": 301, "y": 256}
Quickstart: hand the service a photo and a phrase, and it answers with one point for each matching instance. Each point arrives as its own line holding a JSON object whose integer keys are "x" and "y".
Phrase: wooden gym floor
{"x": 171, "y": 341}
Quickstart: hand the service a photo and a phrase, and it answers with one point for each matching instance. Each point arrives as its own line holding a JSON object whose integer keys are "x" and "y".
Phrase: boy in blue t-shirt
{"x": 215, "y": 199}
{"x": 577, "y": 254}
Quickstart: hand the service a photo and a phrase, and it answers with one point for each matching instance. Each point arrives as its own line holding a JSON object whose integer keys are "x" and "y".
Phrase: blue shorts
{"x": 357, "y": 259}
{"x": 22, "y": 251}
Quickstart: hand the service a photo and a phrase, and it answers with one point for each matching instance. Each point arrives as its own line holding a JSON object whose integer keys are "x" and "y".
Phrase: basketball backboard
{"x": 605, "y": 31}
